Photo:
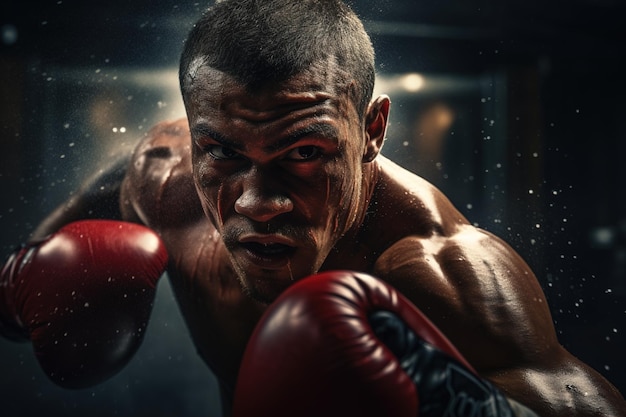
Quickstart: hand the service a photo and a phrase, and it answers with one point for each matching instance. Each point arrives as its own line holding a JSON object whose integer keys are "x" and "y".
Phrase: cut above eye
{"x": 222, "y": 152}
{"x": 303, "y": 153}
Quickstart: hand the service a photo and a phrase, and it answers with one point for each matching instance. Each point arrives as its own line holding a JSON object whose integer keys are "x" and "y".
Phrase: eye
{"x": 304, "y": 153}
{"x": 221, "y": 152}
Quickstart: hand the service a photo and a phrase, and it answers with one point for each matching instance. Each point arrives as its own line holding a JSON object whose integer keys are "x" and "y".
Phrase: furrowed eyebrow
{"x": 320, "y": 129}
{"x": 203, "y": 130}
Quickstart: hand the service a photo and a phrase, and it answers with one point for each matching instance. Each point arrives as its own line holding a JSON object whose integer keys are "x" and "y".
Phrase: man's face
{"x": 278, "y": 172}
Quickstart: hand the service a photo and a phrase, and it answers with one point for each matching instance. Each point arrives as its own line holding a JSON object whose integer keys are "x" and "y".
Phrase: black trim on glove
{"x": 445, "y": 387}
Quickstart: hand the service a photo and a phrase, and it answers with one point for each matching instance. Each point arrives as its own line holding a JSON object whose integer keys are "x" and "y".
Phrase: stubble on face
{"x": 318, "y": 228}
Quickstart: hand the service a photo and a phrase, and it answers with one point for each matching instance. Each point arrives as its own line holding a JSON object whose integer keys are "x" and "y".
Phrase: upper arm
{"x": 559, "y": 384}
{"x": 487, "y": 301}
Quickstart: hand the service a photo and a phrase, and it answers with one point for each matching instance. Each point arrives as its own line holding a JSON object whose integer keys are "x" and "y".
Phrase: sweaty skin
{"x": 255, "y": 190}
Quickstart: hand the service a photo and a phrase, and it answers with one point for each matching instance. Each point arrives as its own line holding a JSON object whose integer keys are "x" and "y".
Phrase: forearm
{"x": 569, "y": 388}
{"x": 97, "y": 198}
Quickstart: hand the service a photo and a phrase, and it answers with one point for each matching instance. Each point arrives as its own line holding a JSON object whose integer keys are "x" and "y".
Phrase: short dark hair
{"x": 257, "y": 41}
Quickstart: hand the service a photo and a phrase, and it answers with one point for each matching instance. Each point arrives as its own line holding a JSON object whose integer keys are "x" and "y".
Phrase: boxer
{"x": 276, "y": 174}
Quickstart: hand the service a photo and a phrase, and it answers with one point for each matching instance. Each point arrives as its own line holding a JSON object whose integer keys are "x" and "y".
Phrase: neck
{"x": 355, "y": 241}
{"x": 371, "y": 173}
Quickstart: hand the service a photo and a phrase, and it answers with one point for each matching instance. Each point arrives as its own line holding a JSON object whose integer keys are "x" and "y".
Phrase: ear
{"x": 376, "y": 126}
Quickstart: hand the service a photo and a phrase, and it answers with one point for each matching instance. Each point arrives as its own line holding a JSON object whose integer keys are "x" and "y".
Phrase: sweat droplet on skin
{"x": 289, "y": 268}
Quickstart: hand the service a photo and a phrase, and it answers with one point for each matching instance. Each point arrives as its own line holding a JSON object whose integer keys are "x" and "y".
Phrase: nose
{"x": 260, "y": 201}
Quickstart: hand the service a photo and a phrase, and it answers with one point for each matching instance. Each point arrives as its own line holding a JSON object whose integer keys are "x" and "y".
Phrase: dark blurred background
{"x": 515, "y": 109}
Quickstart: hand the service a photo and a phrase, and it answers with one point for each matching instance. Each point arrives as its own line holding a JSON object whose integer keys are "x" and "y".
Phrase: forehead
{"x": 209, "y": 87}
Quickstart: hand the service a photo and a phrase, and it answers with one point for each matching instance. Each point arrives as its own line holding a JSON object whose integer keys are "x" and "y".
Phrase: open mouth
{"x": 268, "y": 251}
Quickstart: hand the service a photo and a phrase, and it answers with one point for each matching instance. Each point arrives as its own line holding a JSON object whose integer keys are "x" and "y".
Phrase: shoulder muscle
{"x": 479, "y": 292}
{"x": 158, "y": 189}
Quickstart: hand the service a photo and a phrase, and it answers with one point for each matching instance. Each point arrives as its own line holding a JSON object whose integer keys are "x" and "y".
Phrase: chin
{"x": 264, "y": 291}
{"x": 261, "y": 294}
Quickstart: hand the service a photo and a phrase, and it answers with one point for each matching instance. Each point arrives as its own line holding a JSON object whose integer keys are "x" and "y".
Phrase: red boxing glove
{"x": 83, "y": 296}
{"x": 345, "y": 344}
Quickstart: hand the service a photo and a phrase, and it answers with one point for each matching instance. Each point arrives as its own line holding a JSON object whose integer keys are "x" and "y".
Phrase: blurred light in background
{"x": 9, "y": 34}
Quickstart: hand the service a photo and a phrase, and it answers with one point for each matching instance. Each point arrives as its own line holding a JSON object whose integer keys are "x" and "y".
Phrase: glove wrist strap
{"x": 11, "y": 327}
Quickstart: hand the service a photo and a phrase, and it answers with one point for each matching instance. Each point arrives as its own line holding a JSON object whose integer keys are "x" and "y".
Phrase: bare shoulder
{"x": 468, "y": 281}
{"x": 473, "y": 286}
{"x": 484, "y": 297}
{"x": 480, "y": 293}
{"x": 158, "y": 189}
